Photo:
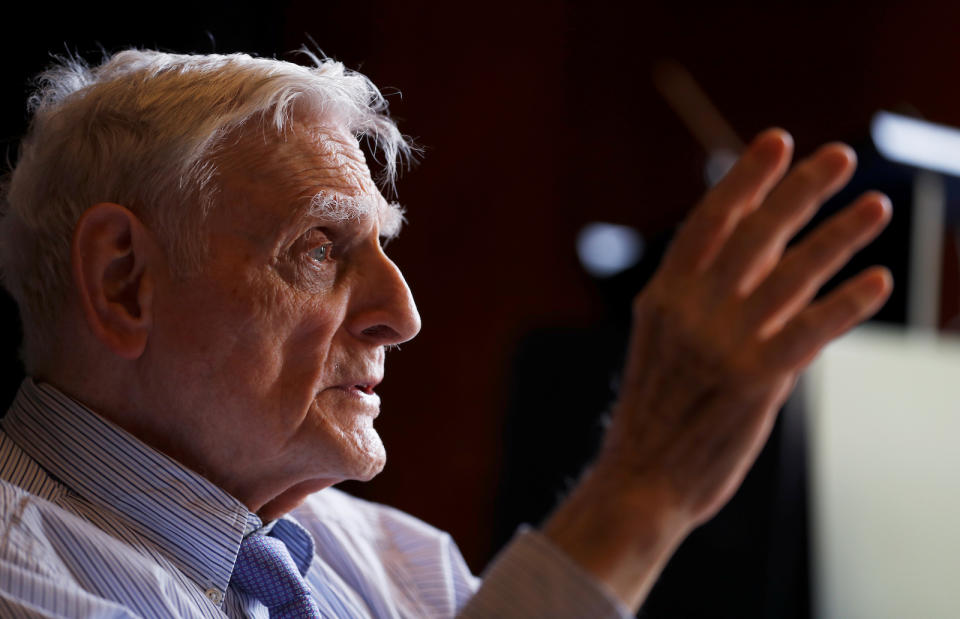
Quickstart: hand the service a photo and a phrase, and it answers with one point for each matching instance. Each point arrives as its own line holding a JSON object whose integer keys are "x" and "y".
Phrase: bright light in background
{"x": 607, "y": 249}
{"x": 917, "y": 142}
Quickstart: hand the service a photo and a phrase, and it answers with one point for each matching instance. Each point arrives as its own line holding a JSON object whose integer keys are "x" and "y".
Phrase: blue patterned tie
{"x": 265, "y": 570}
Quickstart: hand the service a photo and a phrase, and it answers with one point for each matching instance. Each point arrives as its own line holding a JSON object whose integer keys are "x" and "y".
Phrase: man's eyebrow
{"x": 391, "y": 220}
{"x": 337, "y": 207}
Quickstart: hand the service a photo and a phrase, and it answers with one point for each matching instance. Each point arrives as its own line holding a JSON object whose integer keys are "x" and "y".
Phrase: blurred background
{"x": 540, "y": 120}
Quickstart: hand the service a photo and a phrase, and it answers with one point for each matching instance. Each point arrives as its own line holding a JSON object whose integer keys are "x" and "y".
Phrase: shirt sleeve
{"x": 533, "y": 578}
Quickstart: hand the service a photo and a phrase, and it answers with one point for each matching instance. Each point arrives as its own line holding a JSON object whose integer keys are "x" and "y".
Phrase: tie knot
{"x": 265, "y": 570}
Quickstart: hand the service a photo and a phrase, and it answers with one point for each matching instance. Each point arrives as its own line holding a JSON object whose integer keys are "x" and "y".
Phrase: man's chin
{"x": 371, "y": 472}
{"x": 370, "y": 458}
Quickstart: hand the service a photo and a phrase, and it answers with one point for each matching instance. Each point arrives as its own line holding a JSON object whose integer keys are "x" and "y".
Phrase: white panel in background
{"x": 884, "y": 439}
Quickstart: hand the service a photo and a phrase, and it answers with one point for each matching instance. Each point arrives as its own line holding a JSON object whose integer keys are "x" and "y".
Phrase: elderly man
{"x": 194, "y": 245}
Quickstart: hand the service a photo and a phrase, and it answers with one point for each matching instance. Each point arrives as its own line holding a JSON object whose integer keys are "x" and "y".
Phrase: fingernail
{"x": 838, "y": 155}
{"x": 772, "y": 142}
{"x": 874, "y": 204}
{"x": 879, "y": 284}
{"x": 884, "y": 202}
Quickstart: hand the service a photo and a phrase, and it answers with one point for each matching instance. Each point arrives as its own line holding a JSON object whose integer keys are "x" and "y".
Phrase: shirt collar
{"x": 190, "y": 519}
{"x": 299, "y": 542}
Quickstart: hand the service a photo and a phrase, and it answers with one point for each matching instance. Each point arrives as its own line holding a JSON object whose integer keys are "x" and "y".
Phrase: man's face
{"x": 276, "y": 347}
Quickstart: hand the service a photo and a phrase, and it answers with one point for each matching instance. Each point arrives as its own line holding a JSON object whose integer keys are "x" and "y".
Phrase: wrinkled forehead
{"x": 319, "y": 169}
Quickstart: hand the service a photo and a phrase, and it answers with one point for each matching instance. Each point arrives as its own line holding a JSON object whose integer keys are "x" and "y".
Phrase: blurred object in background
{"x": 701, "y": 117}
{"x": 882, "y": 405}
{"x": 934, "y": 152}
{"x": 917, "y": 143}
{"x": 607, "y": 249}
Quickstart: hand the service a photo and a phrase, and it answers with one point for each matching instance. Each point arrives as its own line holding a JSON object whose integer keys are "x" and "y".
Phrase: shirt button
{"x": 214, "y": 595}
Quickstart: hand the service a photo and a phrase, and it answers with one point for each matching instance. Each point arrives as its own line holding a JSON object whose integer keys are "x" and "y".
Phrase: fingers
{"x": 758, "y": 243}
{"x": 737, "y": 194}
{"x": 803, "y": 337}
{"x": 808, "y": 265}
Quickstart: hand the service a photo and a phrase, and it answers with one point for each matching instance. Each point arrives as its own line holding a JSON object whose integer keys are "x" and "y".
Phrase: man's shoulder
{"x": 53, "y": 562}
{"x": 42, "y": 536}
{"x": 21, "y": 508}
{"x": 30, "y": 503}
{"x": 25, "y": 520}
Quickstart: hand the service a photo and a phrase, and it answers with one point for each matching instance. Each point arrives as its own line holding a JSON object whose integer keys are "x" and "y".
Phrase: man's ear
{"x": 114, "y": 257}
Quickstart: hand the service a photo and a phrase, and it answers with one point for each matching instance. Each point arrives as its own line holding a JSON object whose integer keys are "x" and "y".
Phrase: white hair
{"x": 143, "y": 130}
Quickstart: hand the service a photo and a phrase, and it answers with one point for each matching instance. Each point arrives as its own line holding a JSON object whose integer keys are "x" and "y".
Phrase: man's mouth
{"x": 361, "y": 386}
{"x": 366, "y": 388}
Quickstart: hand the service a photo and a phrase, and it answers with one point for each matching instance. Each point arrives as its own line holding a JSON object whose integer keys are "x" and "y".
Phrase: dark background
{"x": 535, "y": 119}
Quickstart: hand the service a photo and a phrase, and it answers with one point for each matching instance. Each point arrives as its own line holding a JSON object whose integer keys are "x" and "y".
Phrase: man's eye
{"x": 321, "y": 252}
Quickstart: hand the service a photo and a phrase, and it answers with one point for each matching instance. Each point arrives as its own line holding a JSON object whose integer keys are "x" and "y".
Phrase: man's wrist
{"x": 619, "y": 527}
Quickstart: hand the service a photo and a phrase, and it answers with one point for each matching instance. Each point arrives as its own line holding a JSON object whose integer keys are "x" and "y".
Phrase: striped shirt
{"x": 95, "y": 523}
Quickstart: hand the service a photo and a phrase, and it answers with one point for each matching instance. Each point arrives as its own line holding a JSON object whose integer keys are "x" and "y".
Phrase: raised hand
{"x": 720, "y": 335}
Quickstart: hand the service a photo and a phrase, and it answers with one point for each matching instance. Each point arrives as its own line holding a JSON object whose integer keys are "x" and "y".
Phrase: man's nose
{"x": 383, "y": 307}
